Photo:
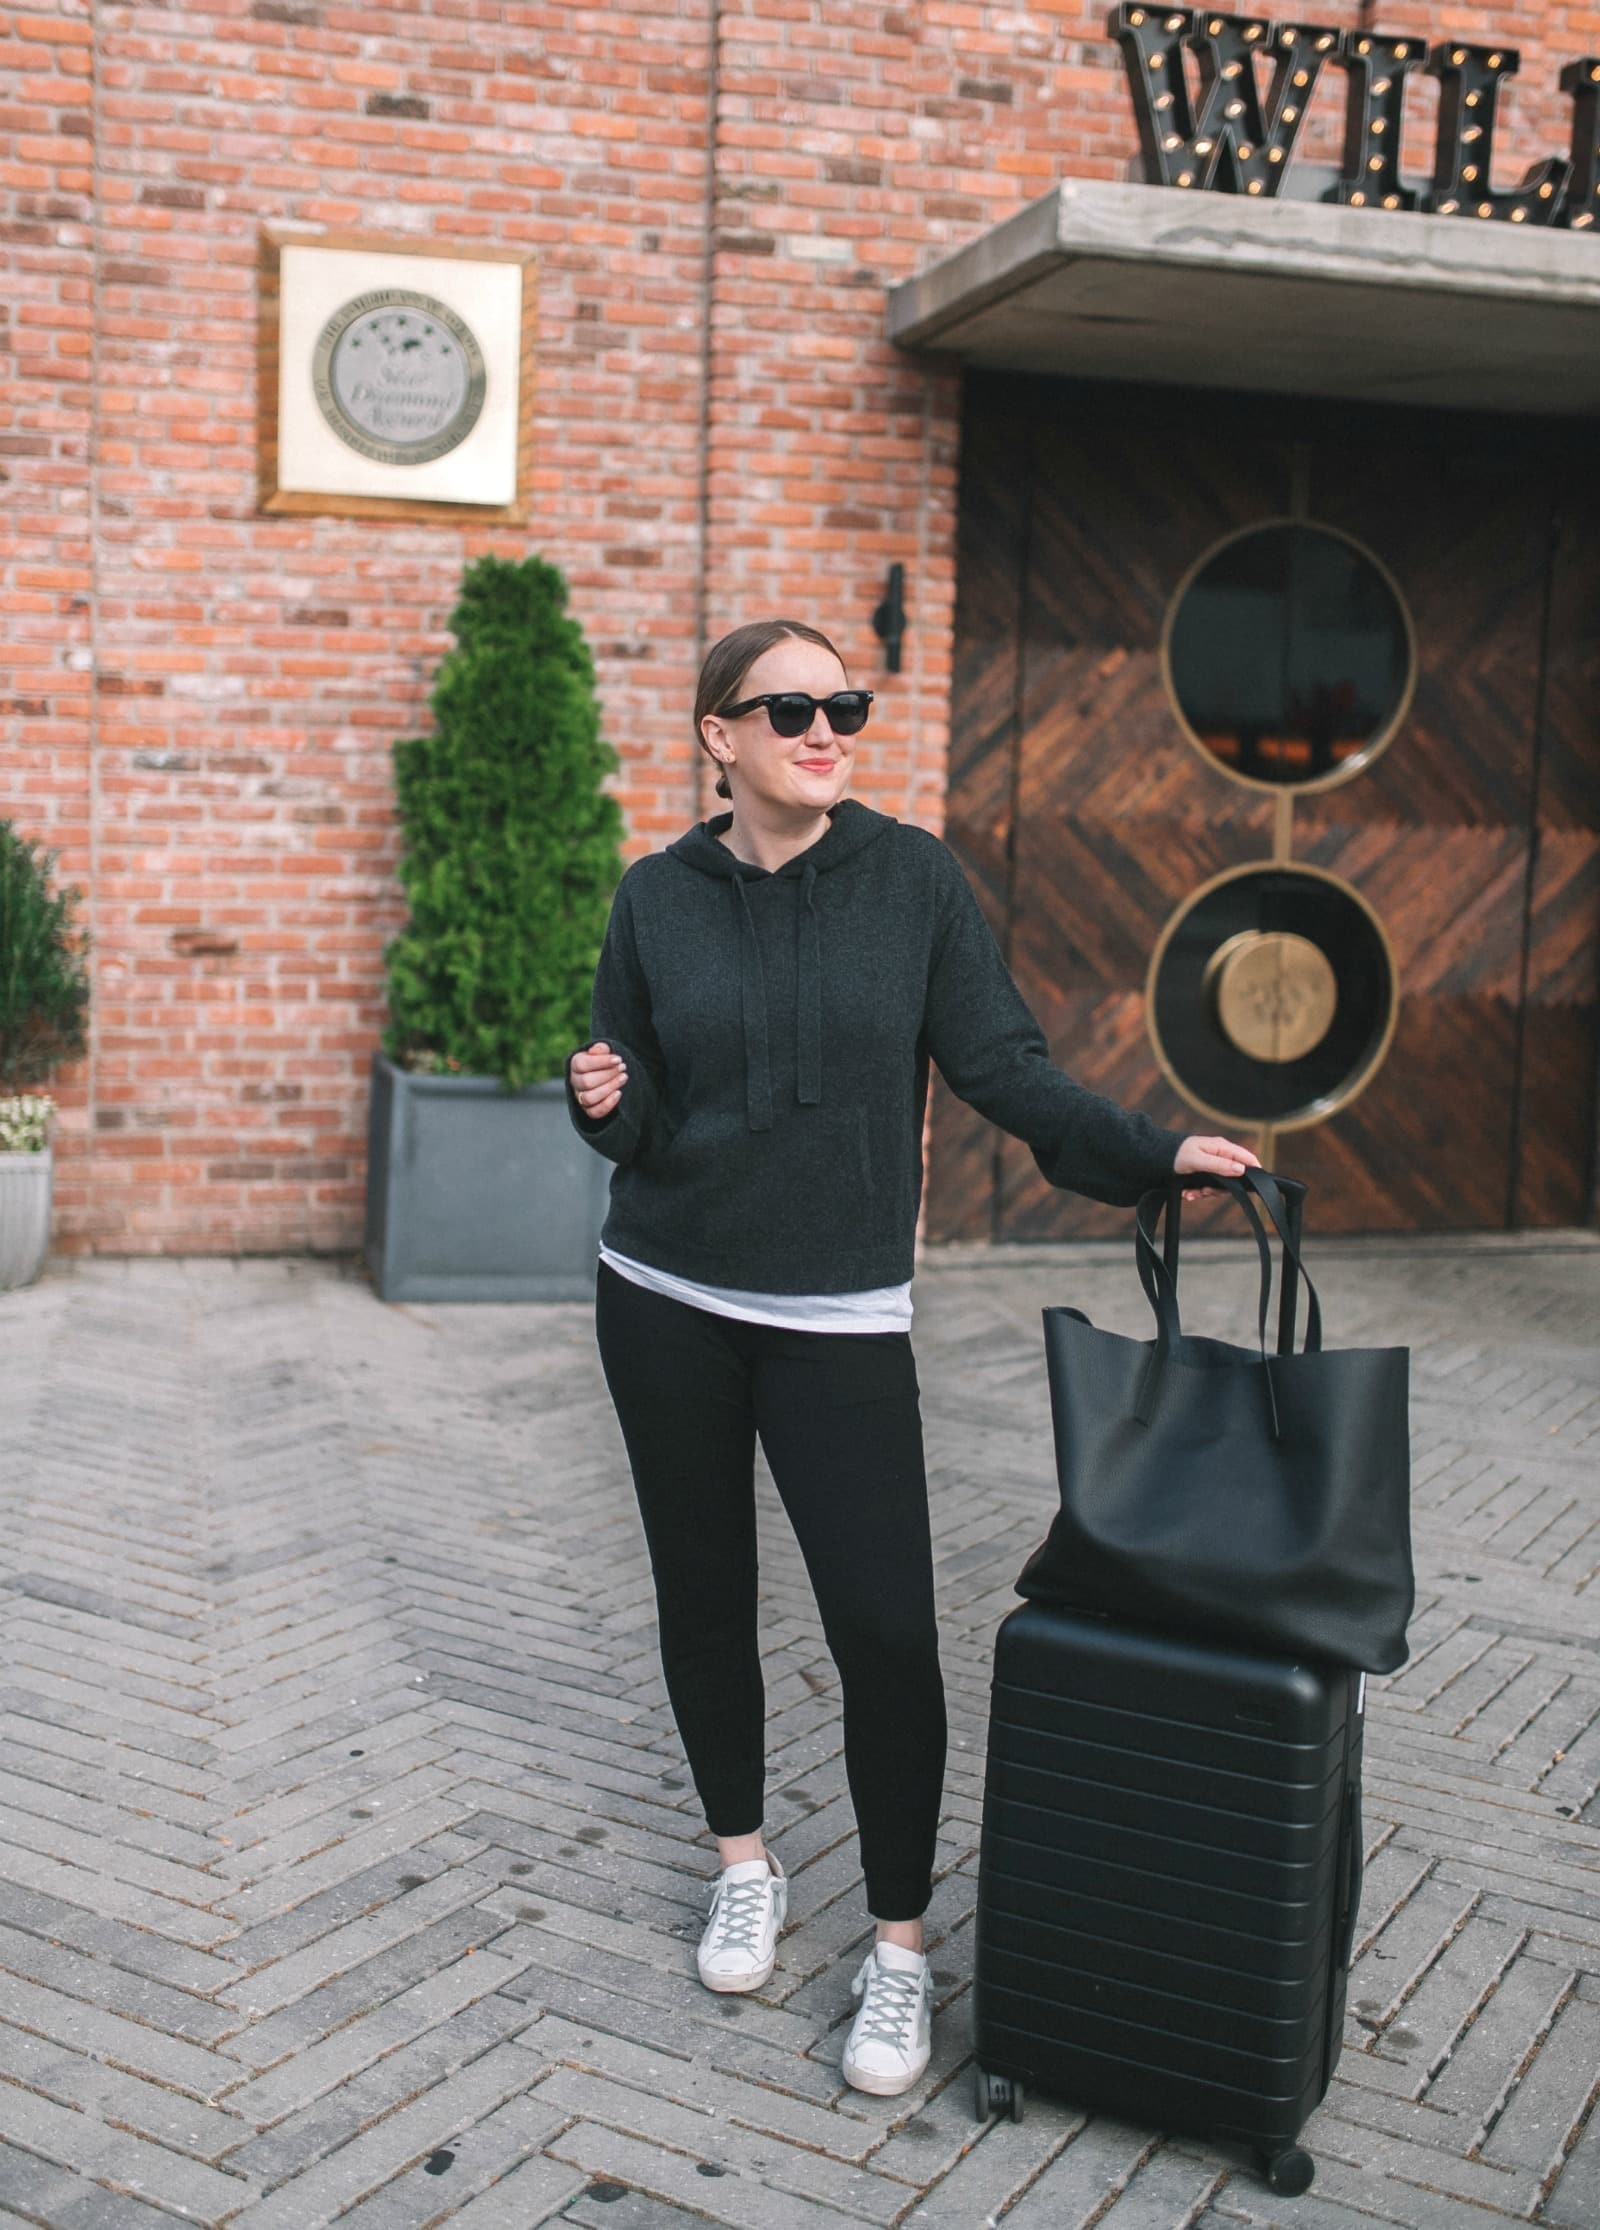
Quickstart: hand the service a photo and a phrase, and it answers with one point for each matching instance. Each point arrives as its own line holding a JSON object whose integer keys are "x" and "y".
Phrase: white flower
{"x": 25, "y": 1122}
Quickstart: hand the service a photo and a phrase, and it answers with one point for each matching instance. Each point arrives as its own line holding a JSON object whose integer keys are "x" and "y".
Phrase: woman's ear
{"x": 716, "y": 740}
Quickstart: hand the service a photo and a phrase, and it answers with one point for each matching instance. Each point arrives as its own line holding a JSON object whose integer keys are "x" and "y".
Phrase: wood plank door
{"x": 1087, "y": 818}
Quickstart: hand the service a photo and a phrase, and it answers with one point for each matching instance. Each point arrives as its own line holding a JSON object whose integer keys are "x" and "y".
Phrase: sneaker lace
{"x": 890, "y": 2008}
{"x": 738, "y": 1911}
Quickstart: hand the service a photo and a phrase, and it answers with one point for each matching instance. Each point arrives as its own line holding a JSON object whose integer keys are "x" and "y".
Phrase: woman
{"x": 770, "y": 993}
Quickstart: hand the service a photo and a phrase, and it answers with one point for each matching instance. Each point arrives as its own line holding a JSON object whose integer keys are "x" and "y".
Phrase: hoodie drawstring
{"x": 753, "y": 1005}
{"x": 808, "y": 1003}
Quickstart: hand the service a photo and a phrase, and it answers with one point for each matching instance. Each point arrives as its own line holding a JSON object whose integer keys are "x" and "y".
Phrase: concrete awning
{"x": 1101, "y": 280}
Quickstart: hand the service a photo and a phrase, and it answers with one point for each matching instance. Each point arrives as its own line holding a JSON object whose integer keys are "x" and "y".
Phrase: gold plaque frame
{"x": 273, "y": 498}
{"x": 1332, "y": 1102}
{"x": 1369, "y": 751}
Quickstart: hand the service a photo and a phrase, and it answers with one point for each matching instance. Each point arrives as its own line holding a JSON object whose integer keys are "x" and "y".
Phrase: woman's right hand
{"x": 598, "y": 1076}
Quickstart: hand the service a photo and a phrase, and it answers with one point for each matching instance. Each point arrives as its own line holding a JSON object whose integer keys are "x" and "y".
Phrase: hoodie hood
{"x": 852, "y": 828}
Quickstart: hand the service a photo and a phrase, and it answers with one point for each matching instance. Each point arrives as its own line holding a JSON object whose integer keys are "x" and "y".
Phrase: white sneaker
{"x": 740, "y": 1944}
{"x": 891, "y": 2039}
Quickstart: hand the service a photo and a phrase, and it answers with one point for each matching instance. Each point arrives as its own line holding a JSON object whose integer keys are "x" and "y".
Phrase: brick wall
{"x": 46, "y": 438}
{"x": 198, "y": 702}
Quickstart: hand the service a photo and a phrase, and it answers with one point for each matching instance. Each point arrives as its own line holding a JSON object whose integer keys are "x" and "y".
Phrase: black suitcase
{"x": 1168, "y": 1883}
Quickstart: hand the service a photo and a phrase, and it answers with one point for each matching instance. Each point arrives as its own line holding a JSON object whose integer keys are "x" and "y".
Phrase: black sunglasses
{"x": 791, "y": 711}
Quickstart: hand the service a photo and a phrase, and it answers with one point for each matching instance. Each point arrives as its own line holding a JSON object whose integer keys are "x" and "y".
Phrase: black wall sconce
{"x": 889, "y": 620}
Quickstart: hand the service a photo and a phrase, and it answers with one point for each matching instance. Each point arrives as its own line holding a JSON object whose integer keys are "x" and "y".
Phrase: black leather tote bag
{"x": 1261, "y": 1499}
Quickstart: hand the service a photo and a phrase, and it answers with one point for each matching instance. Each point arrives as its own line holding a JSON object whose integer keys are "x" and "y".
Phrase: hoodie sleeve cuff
{"x": 1123, "y": 1169}
{"x": 618, "y": 1135}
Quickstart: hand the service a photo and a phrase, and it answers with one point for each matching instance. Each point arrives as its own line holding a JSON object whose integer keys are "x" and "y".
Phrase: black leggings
{"x": 838, "y": 1419}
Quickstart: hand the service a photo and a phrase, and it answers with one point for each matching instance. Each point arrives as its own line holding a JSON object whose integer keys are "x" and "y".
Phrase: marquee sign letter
{"x": 1205, "y": 122}
{"x": 1230, "y": 139}
{"x": 1254, "y": 144}
{"x": 1470, "y": 78}
{"x": 1152, "y": 54}
{"x": 1374, "y": 119}
{"x": 1582, "y": 80}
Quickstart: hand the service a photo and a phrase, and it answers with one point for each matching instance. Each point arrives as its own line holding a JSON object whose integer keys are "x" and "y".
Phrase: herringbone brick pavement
{"x": 348, "y": 1866}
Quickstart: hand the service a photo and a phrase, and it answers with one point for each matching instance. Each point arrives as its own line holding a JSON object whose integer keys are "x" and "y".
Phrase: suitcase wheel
{"x": 1288, "y": 2173}
{"x": 998, "y": 2094}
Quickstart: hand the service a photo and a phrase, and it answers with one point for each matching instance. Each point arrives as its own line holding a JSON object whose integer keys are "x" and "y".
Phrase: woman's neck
{"x": 771, "y": 844}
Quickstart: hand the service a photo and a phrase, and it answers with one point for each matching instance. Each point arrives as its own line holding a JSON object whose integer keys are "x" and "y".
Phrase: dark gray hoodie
{"x": 777, "y": 1030}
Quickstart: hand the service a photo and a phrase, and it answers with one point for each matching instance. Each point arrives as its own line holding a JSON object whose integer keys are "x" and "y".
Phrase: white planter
{"x": 26, "y": 1183}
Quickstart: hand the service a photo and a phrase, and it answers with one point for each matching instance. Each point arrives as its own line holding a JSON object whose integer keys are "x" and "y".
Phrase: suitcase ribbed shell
{"x": 1170, "y": 1861}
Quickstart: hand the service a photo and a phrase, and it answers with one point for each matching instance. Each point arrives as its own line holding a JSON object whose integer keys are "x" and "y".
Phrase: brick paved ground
{"x": 348, "y": 1870}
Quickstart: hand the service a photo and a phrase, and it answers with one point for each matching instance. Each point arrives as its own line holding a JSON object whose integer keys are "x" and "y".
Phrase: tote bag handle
{"x": 1284, "y": 1200}
{"x": 1282, "y": 1197}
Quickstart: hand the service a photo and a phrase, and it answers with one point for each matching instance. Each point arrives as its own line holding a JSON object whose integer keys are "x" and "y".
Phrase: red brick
{"x": 241, "y": 679}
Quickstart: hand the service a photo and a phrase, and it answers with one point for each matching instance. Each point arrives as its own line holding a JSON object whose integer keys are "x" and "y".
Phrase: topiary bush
{"x": 511, "y": 849}
{"x": 44, "y": 976}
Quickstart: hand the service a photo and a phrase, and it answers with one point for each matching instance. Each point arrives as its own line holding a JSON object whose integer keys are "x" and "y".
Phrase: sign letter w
{"x": 1226, "y": 137}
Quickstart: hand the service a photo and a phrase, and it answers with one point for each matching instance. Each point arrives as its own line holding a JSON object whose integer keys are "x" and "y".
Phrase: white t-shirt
{"x": 882, "y": 1308}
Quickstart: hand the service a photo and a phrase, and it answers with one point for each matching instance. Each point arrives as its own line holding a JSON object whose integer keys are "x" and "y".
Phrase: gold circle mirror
{"x": 1289, "y": 656}
{"x": 1272, "y": 995}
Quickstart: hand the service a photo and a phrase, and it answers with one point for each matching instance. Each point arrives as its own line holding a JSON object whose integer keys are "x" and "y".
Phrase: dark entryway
{"x": 1463, "y": 846}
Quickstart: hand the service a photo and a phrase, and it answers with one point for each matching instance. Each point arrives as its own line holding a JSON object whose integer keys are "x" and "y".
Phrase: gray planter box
{"x": 27, "y": 1182}
{"x": 475, "y": 1193}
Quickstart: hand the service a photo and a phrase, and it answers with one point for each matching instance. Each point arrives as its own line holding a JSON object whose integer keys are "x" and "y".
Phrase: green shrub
{"x": 510, "y": 848}
{"x": 44, "y": 977}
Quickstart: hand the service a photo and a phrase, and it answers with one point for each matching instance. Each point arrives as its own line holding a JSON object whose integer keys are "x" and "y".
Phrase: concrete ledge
{"x": 1110, "y": 281}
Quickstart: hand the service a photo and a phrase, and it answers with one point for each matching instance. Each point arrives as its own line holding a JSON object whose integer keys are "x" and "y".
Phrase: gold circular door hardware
{"x": 1272, "y": 996}
{"x": 1276, "y": 994}
{"x": 1289, "y": 656}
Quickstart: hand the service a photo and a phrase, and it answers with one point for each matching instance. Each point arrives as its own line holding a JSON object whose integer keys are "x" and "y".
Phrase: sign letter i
{"x": 1374, "y": 119}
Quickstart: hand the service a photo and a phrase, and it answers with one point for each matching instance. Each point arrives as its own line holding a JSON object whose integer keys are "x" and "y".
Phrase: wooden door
{"x": 1086, "y": 818}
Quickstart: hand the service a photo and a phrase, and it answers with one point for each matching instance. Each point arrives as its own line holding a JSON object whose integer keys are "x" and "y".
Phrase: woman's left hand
{"x": 1218, "y": 1157}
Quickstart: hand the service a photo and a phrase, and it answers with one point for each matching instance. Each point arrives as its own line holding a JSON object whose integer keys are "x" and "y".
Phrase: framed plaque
{"x": 396, "y": 377}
